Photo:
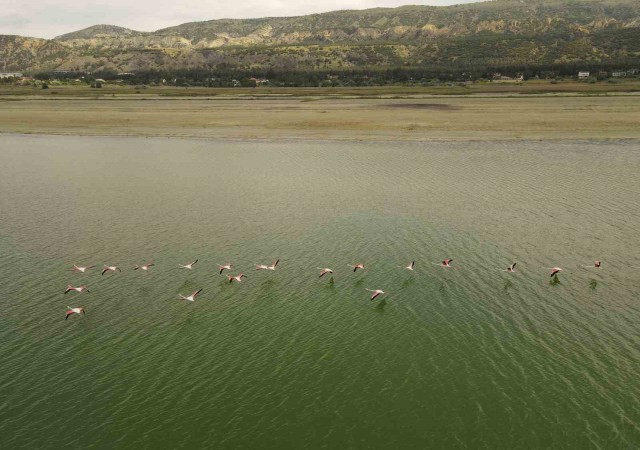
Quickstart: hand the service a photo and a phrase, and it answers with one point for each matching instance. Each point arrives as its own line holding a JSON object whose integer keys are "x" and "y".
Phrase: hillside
{"x": 496, "y": 32}
{"x": 19, "y": 53}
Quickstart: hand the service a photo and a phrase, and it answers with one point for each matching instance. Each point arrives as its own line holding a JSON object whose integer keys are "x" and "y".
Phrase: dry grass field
{"x": 362, "y": 114}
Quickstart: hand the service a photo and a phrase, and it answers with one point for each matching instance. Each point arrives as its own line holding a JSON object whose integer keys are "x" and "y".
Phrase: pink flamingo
{"x": 376, "y": 293}
{"x": 110, "y": 269}
{"x": 190, "y": 298}
{"x": 410, "y": 266}
{"x": 81, "y": 269}
{"x": 555, "y": 271}
{"x": 71, "y": 311}
{"x": 597, "y": 264}
{"x": 237, "y": 278}
{"x": 271, "y": 267}
{"x": 79, "y": 289}
{"x": 187, "y": 266}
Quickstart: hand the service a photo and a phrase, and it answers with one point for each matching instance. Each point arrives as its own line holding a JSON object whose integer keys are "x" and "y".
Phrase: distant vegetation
{"x": 232, "y": 77}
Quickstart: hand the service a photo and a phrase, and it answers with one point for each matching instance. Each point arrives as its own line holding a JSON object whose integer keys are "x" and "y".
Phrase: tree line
{"x": 363, "y": 76}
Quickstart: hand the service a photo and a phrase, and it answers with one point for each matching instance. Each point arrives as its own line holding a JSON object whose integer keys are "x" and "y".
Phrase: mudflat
{"x": 478, "y": 117}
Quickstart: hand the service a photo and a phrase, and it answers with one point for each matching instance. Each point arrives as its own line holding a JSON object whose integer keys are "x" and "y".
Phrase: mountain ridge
{"x": 98, "y": 30}
{"x": 536, "y": 32}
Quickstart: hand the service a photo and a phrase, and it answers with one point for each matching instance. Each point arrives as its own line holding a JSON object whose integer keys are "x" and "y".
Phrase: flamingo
{"x": 596, "y": 264}
{"x": 376, "y": 292}
{"x": 410, "y": 266}
{"x": 511, "y": 268}
{"x": 187, "y": 266}
{"x": 237, "y": 278}
{"x": 555, "y": 271}
{"x": 110, "y": 268}
{"x": 71, "y": 311}
{"x": 144, "y": 267}
{"x": 271, "y": 267}
{"x": 81, "y": 269}
{"x": 190, "y": 298}
{"x": 357, "y": 266}
{"x": 79, "y": 289}
{"x": 222, "y": 267}
{"x": 446, "y": 263}
{"x": 324, "y": 271}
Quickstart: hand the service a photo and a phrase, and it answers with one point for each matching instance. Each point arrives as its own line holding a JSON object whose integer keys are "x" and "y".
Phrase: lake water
{"x": 471, "y": 357}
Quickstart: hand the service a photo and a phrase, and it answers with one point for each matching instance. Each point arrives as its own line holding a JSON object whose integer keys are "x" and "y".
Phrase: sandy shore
{"x": 380, "y": 119}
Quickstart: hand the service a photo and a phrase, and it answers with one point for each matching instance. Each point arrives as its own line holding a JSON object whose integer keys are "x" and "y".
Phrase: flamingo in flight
{"x": 324, "y": 271}
{"x": 376, "y": 292}
{"x": 237, "y": 278}
{"x": 511, "y": 268}
{"x": 187, "y": 266}
{"x": 110, "y": 269}
{"x": 71, "y": 311}
{"x": 597, "y": 264}
{"x": 446, "y": 263}
{"x": 555, "y": 271}
{"x": 271, "y": 267}
{"x": 79, "y": 289}
{"x": 190, "y": 298}
{"x": 357, "y": 266}
{"x": 410, "y": 266}
{"x": 222, "y": 267}
{"x": 144, "y": 267}
{"x": 81, "y": 269}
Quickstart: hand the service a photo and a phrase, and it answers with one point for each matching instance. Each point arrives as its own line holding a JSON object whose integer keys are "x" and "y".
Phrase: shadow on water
{"x": 507, "y": 285}
{"x": 266, "y": 288}
{"x": 408, "y": 282}
{"x": 267, "y": 283}
{"x": 381, "y": 305}
{"x": 330, "y": 285}
{"x": 554, "y": 281}
{"x": 593, "y": 284}
{"x": 144, "y": 290}
{"x": 359, "y": 282}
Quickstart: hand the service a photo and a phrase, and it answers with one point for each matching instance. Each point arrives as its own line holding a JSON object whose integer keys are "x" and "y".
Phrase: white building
{"x": 583, "y": 75}
{"x": 10, "y": 75}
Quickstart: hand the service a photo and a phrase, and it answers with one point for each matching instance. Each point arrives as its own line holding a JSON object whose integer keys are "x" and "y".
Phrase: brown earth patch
{"x": 432, "y": 106}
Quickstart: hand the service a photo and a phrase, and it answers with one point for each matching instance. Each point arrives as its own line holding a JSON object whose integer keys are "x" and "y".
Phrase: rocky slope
{"x": 501, "y": 31}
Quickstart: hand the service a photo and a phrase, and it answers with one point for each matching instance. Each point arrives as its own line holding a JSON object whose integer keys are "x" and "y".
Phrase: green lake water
{"x": 468, "y": 357}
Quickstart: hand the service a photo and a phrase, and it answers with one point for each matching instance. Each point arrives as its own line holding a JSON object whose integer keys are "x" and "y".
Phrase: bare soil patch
{"x": 434, "y": 106}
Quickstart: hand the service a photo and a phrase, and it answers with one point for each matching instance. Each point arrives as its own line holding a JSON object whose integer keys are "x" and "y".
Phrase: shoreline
{"x": 328, "y": 140}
